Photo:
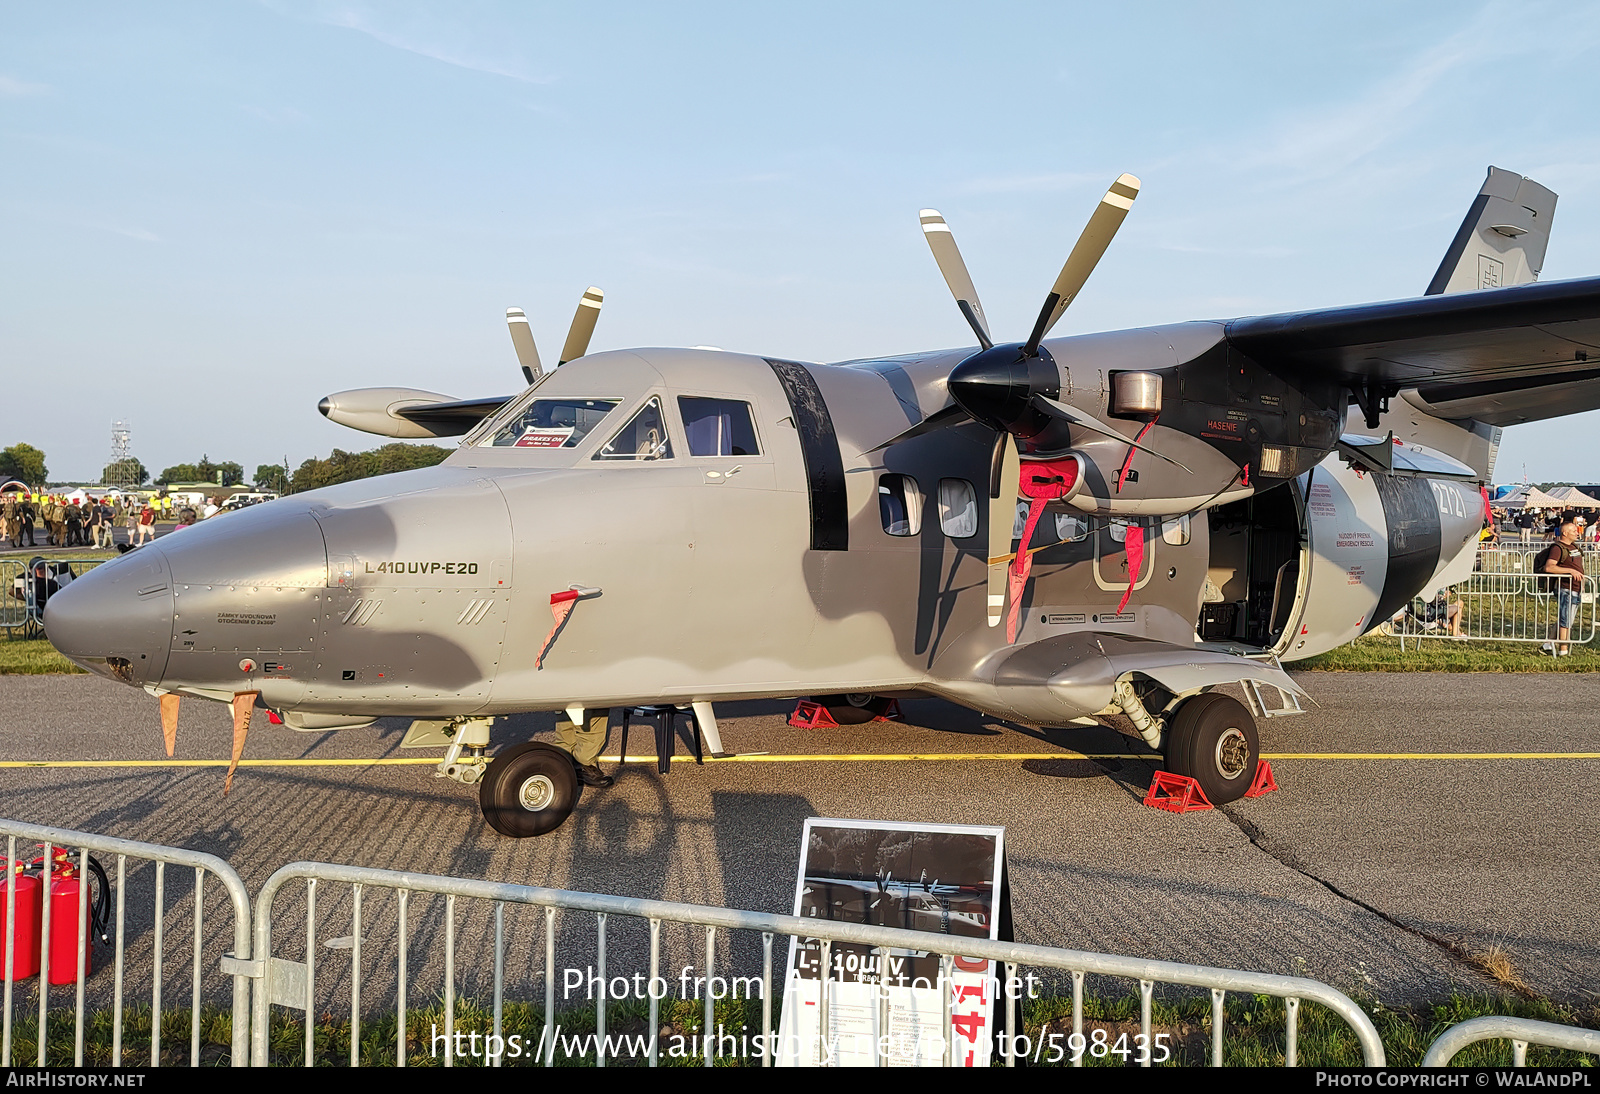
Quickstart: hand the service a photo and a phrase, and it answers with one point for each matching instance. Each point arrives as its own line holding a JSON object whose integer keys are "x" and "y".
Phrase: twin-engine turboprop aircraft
{"x": 1049, "y": 530}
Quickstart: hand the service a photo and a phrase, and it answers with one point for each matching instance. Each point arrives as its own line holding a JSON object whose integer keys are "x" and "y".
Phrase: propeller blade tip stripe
{"x": 1117, "y": 200}
{"x": 1130, "y": 181}
{"x": 516, "y": 313}
{"x": 589, "y": 302}
{"x": 594, "y": 290}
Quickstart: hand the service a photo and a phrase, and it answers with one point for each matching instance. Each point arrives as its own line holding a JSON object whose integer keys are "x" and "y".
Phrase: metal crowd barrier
{"x": 20, "y": 607}
{"x": 53, "y": 839}
{"x": 1500, "y": 606}
{"x": 1520, "y": 1031}
{"x": 293, "y": 984}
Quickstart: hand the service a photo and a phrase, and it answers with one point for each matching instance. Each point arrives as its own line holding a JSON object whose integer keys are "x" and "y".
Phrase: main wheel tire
{"x": 528, "y": 790}
{"x": 854, "y": 710}
{"x": 1213, "y": 741}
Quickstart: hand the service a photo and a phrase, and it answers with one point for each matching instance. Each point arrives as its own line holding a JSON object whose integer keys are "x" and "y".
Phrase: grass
{"x": 1377, "y": 653}
{"x": 1254, "y": 1032}
{"x": 31, "y": 657}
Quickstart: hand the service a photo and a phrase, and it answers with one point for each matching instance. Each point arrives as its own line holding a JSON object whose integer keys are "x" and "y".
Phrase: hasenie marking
{"x": 423, "y": 568}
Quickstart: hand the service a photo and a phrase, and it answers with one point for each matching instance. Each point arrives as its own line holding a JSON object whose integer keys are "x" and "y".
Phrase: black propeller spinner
{"x": 1013, "y": 388}
{"x": 996, "y": 386}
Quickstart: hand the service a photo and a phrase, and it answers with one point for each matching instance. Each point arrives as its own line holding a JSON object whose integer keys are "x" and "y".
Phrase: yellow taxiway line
{"x": 855, "y": 757}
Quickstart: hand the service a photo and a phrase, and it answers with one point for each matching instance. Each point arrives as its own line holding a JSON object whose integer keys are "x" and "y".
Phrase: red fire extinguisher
{"x": 26, "y": 938}
{"x": 65, "y": 922}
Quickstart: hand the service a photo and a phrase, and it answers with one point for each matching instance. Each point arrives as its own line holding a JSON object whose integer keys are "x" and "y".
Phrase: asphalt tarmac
{"x": 1390, "y": 862}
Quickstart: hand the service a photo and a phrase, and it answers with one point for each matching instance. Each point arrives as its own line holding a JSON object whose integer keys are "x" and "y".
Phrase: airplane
{"x": 1051, "y": 531}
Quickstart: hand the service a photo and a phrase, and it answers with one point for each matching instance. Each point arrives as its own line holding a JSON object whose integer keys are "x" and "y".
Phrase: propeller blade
{"x": 943, "y": 245}
{"x": 1090, "y": 422}
{"x": 1097, "y": 234}
{"x": 522, "y": 339}
{"x": 582, "y": 328}
{"x": 1004, "y": 481}
{"x": 950, "y": 415}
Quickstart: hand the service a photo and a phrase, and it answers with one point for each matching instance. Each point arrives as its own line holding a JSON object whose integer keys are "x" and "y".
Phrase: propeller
{"x": 1005, "y": 477}
{"x": 1014, "y": 388}
{"x": 578, "y": 334}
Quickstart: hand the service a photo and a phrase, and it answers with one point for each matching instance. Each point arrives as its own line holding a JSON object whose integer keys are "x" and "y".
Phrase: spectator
{"x": 147, "y": 524}
{"x": 1562, "y": 560}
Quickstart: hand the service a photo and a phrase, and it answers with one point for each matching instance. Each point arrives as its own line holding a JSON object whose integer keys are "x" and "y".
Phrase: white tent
{"x": 1574, "y": 498}
{"x": 1530, "y": 497}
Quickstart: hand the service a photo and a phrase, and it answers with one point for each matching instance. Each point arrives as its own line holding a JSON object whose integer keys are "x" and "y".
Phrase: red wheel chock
{"x": 1176, "y": 794}
{"x": 1181, "y": 794}
{"x": 809, "y": 715}
{"x": 1263, "y": 783}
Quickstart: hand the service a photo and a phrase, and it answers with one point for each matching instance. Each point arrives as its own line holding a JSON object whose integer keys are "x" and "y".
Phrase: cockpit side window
{"x": 552, "y": 423}
{"x": 643, "y": 438}
{"x": 718, "y": 427}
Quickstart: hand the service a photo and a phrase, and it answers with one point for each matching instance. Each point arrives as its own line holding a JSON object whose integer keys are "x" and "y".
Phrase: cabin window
{"x": 958, "y": 508}
{"x": 1072, "y": 527}
{"x": 643, "y": 438}
{"x": 553, "y": 423}
{"x": 900, "y": 505}
{"x": 1175, "y": 530}
{"x": 718, "y": 427}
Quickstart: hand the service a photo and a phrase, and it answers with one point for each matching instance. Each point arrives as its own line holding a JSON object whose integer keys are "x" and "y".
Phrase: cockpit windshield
{"x": 550, "y": 423}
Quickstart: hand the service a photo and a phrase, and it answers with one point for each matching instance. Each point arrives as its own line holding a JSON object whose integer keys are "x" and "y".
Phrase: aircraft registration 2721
{"x": 1051, "y": 530}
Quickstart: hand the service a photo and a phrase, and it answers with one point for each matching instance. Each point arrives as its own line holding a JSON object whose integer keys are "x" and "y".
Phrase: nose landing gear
{"x": 528, "y": 790}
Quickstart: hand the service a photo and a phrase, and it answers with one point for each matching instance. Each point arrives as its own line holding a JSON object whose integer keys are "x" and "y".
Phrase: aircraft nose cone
{"x": 116, "y": 619}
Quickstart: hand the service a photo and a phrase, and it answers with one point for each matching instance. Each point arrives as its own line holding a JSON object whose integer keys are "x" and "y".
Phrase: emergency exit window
{"x": 718, "y": 427}
{"x": 900, "y": 505}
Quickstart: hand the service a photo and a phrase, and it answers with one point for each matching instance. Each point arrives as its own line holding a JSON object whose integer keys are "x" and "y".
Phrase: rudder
{"x": 1503, "y": 238}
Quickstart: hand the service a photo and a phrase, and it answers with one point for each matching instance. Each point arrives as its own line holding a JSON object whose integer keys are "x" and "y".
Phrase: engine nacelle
{"x": 376, "y": 410}
{"x": 1370, "y": 542}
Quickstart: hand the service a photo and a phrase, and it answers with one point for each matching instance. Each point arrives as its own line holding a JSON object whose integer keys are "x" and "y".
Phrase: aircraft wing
{"x": 454, "y": 418}
{"x": 1501, "y": 356}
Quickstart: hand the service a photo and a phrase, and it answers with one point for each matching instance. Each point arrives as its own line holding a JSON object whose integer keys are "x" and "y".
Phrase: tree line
{"x": 26, "y": 463}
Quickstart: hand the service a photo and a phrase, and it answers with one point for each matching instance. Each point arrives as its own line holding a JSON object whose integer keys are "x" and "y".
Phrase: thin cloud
{"x": 1322, "y": 144}
{"x": 423, "y": 42}
{"x": 140, "y": 234}
{"x": 13, "y": 88}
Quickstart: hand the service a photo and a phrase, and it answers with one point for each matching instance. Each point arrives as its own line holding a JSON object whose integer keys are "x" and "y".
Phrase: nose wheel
{"x": 1213, "y": 740}
{"x": 528, "y": 790}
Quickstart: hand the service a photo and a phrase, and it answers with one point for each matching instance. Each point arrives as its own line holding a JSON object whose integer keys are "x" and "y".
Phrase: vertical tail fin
{"x": 1503, "y": 239}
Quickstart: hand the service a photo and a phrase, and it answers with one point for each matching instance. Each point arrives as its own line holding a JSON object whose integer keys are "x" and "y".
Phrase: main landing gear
{"x": 853, "y": 710}
{"x": 1212, "y": 739}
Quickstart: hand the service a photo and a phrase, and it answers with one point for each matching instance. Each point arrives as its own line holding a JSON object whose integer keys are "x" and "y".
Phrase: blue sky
{"x": 213, "y": 214}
